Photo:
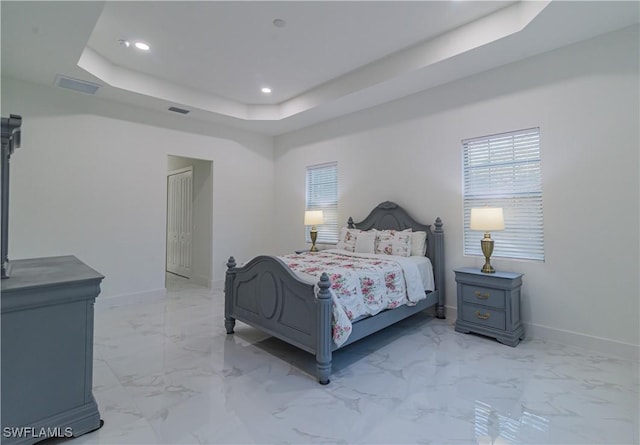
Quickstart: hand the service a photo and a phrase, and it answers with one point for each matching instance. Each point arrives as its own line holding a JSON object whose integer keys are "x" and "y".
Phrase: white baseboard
{"x": 202, "y": 281}
{"x": 217, "y": 285}
{"x": 601, "y": 345}
{"x": 125, "y": 299}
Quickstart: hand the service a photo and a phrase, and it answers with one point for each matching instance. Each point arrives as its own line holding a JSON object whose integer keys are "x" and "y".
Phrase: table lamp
{"x": 487, "y": 219}
{"x": 313, "y": 218}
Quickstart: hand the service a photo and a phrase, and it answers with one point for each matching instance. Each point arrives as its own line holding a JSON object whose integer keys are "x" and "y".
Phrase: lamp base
{"x": 314, "y": 236}
{"x": 487, "y": 249}
{"x": 487, "y": 268}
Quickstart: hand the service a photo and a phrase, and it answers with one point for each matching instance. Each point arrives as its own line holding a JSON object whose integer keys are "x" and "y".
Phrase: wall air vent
{"x": 179, "y": 110}
{"x": 76, "y": 84}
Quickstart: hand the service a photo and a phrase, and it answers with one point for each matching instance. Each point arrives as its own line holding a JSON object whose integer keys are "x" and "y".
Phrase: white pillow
{"x": 347, "y": 239}
{"x": 418, "y": 243}
{"x": 366, "y": 242}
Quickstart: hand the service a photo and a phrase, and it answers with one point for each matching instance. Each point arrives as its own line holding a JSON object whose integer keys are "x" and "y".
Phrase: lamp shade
{"x": 313, "y": 217}
{"x": 487, "y": 219}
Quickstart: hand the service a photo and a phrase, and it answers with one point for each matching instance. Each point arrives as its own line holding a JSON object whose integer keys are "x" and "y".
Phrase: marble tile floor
{"x": 166, "y": 373}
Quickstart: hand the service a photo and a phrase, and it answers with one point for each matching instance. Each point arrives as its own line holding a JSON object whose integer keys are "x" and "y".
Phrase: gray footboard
{"x": 267, "y": 295}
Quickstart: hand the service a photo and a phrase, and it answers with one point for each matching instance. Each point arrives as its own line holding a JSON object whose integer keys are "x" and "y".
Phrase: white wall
{"x": 89, "y": 180}
{"x": 202, "y": 214}
{"x": 585, "y": 100}
{"x": 89, "y": 183}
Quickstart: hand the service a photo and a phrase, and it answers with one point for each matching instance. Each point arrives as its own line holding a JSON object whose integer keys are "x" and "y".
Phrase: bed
{"x": 267, "y": 294}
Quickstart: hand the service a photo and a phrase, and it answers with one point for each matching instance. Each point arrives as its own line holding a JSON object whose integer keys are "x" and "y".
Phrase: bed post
{"x": 323, "y": 348}
{"x": 438, "y": 252}
{"x": 229, "y": 321}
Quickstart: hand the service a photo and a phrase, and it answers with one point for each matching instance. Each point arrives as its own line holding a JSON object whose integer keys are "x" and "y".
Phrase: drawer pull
{"x": 481, "y": 295}
{"x": 482, "y": 316}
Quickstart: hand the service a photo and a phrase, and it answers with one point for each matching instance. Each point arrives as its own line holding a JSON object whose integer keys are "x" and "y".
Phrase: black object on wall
{"x": 10, "y": 141}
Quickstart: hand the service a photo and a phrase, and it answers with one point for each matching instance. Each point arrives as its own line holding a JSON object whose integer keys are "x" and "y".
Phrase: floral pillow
{"x": 394, "y": 242}
{"x": 347, "y": 240}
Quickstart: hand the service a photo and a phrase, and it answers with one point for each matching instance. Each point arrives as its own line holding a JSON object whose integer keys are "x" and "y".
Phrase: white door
{"x": 179, "y": 221}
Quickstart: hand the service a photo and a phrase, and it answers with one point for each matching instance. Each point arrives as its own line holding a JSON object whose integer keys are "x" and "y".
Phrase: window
{"x": 504, "y": 171}
{"x": 322, "y": 194}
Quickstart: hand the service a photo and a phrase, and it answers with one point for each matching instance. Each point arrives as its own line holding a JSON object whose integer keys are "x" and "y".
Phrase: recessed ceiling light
{"x": 142, "y": 46}
{"x": 266, "y": 90}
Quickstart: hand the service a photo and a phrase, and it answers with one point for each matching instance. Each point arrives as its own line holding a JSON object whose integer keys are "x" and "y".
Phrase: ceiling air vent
{"x": 179, "y": 110}
{"x": 75, "y": 84}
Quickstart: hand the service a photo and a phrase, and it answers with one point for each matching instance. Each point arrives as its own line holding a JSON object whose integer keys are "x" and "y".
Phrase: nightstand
{"x": 489, "y": 304}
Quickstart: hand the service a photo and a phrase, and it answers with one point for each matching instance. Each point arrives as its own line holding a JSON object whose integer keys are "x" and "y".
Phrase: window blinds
{"x": 322, "y": 194}
{"x": 504, "y": 171}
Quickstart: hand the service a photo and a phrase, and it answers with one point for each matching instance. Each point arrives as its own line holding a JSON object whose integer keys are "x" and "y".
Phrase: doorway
{"x": 189, "y": 219}
{"x": 179, "y": 221}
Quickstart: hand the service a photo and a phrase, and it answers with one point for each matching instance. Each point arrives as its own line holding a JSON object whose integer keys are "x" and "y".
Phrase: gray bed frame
{"x": 267, "y": 295}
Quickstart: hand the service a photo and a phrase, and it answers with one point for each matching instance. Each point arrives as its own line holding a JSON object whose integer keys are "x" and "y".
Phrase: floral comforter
{"x": 361, "y": 284}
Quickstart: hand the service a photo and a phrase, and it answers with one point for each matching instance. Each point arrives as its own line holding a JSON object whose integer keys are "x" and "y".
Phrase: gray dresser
{"x": 489, "y": 304}
{"x": 47, "y": 349}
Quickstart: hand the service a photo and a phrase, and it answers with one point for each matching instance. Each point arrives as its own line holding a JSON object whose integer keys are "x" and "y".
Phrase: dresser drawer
{"x": 484, "y": 296}
{"x": 484, "y": 316}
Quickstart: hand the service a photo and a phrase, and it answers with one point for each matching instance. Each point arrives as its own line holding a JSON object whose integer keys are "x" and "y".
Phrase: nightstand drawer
{"x": 484, "y": 316}
{"x": 483, "y": 296}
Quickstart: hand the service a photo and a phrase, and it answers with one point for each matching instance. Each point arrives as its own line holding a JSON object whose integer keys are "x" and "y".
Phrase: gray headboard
{"x": 390, "y": 216}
